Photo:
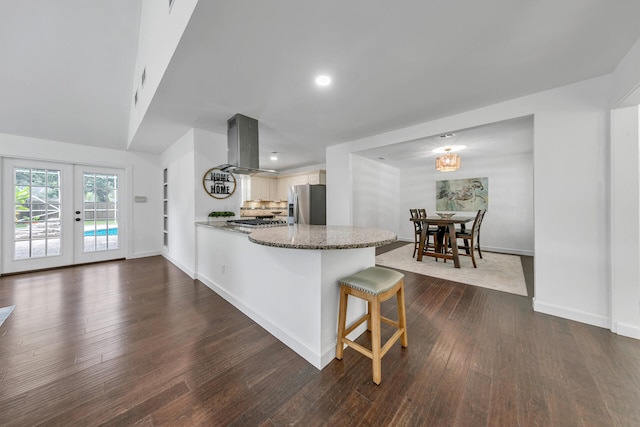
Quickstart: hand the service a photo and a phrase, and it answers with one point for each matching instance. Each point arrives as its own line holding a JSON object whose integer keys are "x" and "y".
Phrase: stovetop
{"x": 258, "y": 223}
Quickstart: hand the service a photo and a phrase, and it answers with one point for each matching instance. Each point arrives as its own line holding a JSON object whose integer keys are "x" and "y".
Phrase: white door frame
{"x": 82, "y": 257}
{"x": 72, "y": 231}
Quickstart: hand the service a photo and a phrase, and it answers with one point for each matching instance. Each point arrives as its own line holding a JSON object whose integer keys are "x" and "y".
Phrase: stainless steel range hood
{"x": 242, "y": 146}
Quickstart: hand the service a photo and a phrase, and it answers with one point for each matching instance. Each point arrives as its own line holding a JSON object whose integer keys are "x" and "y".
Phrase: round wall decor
{"x": 219, "y": 184}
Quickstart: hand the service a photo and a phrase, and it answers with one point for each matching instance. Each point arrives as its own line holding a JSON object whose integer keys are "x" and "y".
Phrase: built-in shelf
{"x": 165, "y": 213}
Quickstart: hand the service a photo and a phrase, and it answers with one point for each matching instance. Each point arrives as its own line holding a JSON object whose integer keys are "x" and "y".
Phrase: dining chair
{"x": 417, "y": 227}
{"x": 471, "y": 238}
{"x": 431, "y": 231}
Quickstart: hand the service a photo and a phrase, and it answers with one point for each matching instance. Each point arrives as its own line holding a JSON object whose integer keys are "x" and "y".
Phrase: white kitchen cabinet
{"x": 284, "y": 182}
{"x": 263, "y": 188}
{"x": 300, "y": 179}
{"x": 317, "y": 177}
{"x": 259, "y": 188}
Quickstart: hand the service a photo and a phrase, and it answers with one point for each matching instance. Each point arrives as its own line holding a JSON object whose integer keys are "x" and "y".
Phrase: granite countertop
{"x": 224, "y": 225}
{"x": 299, "y": 236}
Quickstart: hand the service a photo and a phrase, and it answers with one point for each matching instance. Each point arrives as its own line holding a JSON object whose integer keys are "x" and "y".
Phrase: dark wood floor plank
{"x": 138, "y": 342}
{"x": 473, "y": 409}
{"x": 531, "y": 397}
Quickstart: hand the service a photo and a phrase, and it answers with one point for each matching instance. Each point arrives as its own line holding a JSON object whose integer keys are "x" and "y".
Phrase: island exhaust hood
{"x": 242, "y": 146}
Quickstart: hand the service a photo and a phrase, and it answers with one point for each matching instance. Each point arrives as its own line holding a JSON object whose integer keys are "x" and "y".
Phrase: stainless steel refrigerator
{"x": 308, "y": 204}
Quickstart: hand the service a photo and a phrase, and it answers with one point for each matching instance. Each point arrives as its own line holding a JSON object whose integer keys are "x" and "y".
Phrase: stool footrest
{"x": 389, "y": 322}
{"x": 385, "y": 348}
{"x": 357, "y": 323}
{"x": 358, "y": 347}
{"x": 391, "y": 341}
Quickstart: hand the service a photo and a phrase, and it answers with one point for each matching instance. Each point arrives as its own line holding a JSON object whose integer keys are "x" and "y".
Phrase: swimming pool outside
{"x": 101, "y": 232}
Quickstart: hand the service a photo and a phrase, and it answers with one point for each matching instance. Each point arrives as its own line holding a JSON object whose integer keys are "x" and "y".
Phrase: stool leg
{"x": 342, "y": 320}
{"x": 375, "y": 341}
{"x": 402, "y": 315}
{"x": 369, "y": 313}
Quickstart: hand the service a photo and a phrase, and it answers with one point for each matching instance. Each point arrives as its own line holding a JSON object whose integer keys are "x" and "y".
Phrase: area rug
{"x": 5, "y": 312}
{"x": 495, "y": 271}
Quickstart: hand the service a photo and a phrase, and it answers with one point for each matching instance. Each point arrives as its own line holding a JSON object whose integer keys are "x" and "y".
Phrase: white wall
{"x": 160, "y": 32}
{"x": 211, "y": 151}
{"x": 143, "y": 179}
{"x": 376, "y": 195}
{"x": 187, "y": 160}
{"x": 570, "y": 123}
{"x": 625, "y": 215}
{"x": 178, "y": 159}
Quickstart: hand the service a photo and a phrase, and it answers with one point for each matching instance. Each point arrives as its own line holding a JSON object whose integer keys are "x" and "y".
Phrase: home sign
{"x": 219, "y": 184}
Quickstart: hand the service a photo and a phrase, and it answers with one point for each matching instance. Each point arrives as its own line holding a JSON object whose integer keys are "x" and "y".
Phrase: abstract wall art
{"x": 467, "y": 195}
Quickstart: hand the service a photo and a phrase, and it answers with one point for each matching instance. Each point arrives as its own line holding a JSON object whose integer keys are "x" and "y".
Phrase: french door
{"x": 56, "y": 214}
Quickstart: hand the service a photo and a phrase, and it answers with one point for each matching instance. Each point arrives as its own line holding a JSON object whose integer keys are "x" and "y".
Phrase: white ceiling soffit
{"x": 505, "y": 138}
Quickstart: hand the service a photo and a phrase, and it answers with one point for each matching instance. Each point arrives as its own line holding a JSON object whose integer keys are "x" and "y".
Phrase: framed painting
{"x": 462, "y": 194}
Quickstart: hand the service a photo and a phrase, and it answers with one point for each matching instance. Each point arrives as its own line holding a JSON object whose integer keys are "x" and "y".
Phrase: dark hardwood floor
{"x": 139, "y": 343}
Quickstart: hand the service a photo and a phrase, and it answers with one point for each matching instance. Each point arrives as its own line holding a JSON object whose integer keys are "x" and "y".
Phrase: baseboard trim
{"x": 567, "y": 313}
{"x": 627, "y": 330}
{"x": 189, "y": 272}
{"x": 144, "y": 254}
{"x": 508, "y": 251}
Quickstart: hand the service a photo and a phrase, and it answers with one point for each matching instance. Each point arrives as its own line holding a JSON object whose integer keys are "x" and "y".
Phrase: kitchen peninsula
{"x": 286, "y": 278}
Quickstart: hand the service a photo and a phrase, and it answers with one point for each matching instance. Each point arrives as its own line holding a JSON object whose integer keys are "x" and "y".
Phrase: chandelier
{"x": 448, "y": 162}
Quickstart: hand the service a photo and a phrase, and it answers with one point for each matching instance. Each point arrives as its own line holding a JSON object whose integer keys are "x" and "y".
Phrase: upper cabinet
{"x": 315, "y": 177}
{"x": 260, "y": 188}
{"x": 282, "y": 193}
{"x": 277, "y": 189}
{"x": 318, "y": 177}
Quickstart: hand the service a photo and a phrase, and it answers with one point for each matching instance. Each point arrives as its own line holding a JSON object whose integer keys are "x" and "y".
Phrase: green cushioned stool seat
{"x": 373, "y": 280}
{"x": 374, "y": 285}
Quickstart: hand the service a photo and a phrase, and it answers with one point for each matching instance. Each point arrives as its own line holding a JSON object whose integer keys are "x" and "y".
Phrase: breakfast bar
{"x": 286, "y": 278}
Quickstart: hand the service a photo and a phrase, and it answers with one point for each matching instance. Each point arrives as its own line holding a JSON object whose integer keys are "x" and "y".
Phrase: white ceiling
{"x": 66, "y": 69}
{"x": 68, "y": 66}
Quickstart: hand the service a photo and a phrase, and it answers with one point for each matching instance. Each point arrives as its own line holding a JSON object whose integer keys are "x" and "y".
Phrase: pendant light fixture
{"x": 448, "y": 162}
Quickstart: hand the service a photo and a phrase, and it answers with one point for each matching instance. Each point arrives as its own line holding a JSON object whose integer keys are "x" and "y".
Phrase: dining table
{"x": 445, "y": 225}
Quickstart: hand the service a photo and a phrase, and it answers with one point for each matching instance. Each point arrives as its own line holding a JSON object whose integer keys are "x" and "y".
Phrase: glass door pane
{"x": 100, "y": 212}
{"x": 37, "y": 217}
{"x": 37, "y": 227}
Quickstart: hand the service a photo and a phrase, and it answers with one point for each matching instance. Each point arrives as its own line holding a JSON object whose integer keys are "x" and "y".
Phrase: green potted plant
{"x": 220, "y": 214}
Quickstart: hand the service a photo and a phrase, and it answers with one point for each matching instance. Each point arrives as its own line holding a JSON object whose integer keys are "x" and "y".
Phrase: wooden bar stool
{"x": 374, "y": 285}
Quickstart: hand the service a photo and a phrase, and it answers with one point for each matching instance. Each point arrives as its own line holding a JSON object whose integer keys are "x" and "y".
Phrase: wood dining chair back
{"x": 417, "y": 225}
{"x": 471, "y": 238}
{"x": 417, "y": 228}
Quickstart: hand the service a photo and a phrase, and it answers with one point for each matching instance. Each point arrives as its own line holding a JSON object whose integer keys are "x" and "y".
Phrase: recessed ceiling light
{"x": 274, "y": 156}
{"x": 323, "y": 80}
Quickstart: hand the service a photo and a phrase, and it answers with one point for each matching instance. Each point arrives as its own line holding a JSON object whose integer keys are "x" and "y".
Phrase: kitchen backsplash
{"x": 263, "y": 208}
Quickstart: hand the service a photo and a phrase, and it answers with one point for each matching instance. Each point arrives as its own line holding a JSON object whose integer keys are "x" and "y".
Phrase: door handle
{"x": 77, "y": 219}
{"x": 77, "y": 212}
